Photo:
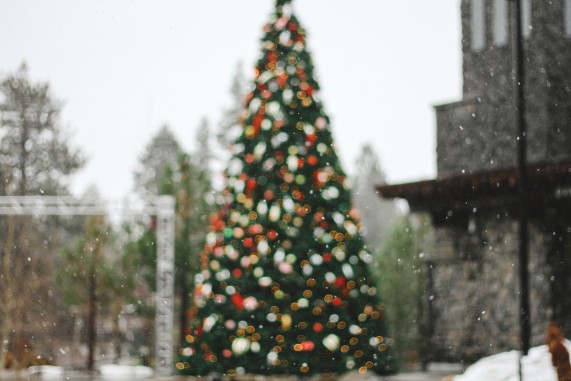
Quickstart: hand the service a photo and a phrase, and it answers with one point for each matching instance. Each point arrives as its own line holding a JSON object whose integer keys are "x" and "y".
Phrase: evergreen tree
{"x": 203, "y": 155}
{"x": 82, "y": 277}
{"x": 400, "y": 272}
{"x": 187, "y": 178}
{"x": 229, "y": 128}
{"x": 377, "y": 216}
{"x": 35, "y": 158}
{"x": 190, "y": 186}
{"x": 286, "y": 288}
{"x": 34, "y": 152}
{"x": 161, "y": 152}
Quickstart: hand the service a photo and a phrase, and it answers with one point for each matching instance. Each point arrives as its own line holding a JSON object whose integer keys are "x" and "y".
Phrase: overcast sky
{"x": 125, "y": 67}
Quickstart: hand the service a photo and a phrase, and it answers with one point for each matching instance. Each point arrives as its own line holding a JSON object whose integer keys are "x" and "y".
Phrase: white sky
{"x": 123, "y": 68}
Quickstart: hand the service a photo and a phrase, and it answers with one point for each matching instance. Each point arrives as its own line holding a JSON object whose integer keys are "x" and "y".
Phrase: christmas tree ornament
{"x": 240, "y": 345}
{"x": 285, "y": 287}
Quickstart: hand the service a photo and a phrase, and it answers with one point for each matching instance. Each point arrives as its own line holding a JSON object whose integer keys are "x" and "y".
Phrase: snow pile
{"x": 123, "y": 372}
{"x": 47, "y": 372}
{"x": 504, "y": 367}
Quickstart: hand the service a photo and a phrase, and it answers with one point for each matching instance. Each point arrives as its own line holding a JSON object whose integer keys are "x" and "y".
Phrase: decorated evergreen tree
{"x": 285, "y": 288}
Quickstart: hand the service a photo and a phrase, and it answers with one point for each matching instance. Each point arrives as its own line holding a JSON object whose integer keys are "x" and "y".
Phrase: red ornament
{"x": 216, "y": 222}
{"x": 307, "y": 345}
{"x": 337, "y": 301}
{"x": 341, "y": 282}
{"x": 255, "y": 229}
{"x": 251, "y": 184}
{"x": 237, "y": 273}
{"x": 268, "y": 195}
{"x": 311, "y": 138}
{"x": 238, "y": 301}
{"x": 318, "y": 327}
{"x": 227, "y": 353}
{"x": 299, "y": 196}
{"x": 327, "y": 257}
{"x": 249, "y": 96}
{"x": 272, "y": 235}
{"x": 282, "y": 79}
{"x": 292, "y": 26}
{"x": 248, "y": 242}
{"x": 257, "y": 121}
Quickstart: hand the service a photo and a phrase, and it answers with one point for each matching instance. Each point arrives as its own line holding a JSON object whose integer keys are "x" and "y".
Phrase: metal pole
{"x": 519, "y": 122}
{"x": 164, "y": 354}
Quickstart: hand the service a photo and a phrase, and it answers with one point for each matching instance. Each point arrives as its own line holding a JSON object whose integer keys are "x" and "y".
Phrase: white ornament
{"x": 208, "y": 323}
{"x": 330, "y": 277}
{"x": 316, "y": 259}
{"x": 275, "y": 213}
{"x": 307, "y": 270}
{"x": 292, "y": 161}
{"x": 255, "y": 347}
{"x": 240, "y": 345}
{"x": 285, "y": 268}
{"x": 250, "y": 303}
{"x": 262, "y": 207}
{"x": 347, "y": 270}
{"x": 331, "y": 342}
{"x": 355, "y": 329}
{"x": 259, "y": 150}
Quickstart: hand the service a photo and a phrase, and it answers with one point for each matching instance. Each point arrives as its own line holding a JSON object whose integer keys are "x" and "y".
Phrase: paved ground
{"x": 439, "y": 373}
{"x": 416, "y": 376}
{"x": 442, "y": 373}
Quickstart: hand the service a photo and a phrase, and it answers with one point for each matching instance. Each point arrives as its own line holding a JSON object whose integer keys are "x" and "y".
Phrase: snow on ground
{"x": 47, "y": 372}
{"x": 504, "y": 367}
{"x": 124, "y": 372}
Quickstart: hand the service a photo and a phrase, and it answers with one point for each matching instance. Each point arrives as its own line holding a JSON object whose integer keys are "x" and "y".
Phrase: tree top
{"x": 280, "y": 3}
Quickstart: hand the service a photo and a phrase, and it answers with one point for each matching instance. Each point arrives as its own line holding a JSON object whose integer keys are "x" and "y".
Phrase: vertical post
{"x": 164, "y": 353}
{"x": 520, "y": 125}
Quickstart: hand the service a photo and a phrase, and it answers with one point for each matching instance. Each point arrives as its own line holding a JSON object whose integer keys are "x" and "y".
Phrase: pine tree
{"x": 187, "y": 178}
{"x": 286, "y": 288}
{"x": 34, "y": 149}
{"x": 378, "y": 216}
{"x": 203, "y": 155}
{"x": 161, "y": 152}
{"x": 400, "y": 272}
{"x": 229, "y": 127}
{"x": 36, "y": 157}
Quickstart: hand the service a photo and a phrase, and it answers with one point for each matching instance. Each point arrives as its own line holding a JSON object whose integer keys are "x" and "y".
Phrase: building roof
{"x": 546, "y": 182}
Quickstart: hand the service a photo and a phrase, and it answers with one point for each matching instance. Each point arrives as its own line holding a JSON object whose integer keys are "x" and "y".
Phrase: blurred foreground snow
{"x": 124, "y": 372}
{"x": 504, "y": 367}
{"x": 47, "y": 372}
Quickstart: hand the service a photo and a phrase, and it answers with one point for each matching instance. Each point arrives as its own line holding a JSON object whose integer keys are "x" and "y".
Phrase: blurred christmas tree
{"x": 286, "y": 288}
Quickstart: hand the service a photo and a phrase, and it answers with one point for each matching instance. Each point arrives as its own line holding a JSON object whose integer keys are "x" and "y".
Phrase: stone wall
{"x": 474, "y": 285}
{"x": 484, "y": 137}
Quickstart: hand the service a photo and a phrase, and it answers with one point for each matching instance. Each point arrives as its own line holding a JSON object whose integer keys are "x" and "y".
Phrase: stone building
{"x": 472, "y": 275}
